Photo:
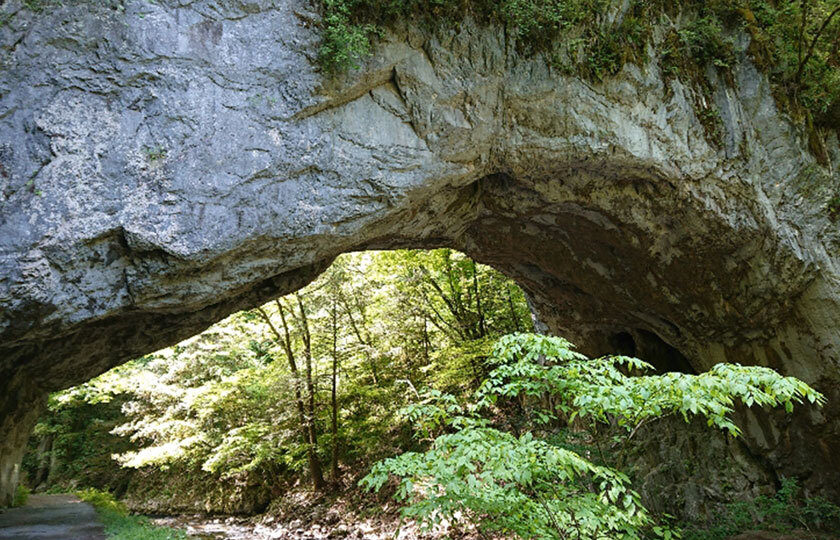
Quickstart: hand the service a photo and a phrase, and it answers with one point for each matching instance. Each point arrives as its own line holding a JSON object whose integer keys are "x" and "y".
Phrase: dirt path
{"x": 51, "y": 517}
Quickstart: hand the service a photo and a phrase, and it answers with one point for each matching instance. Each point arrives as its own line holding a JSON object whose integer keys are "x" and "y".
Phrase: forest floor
{"x": 237, "y": 528}
{"x": 303, "y": 516}
{"x": 48, "y": 517}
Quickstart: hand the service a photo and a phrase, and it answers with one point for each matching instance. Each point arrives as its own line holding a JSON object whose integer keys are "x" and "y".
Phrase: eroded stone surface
{"x": 167, "y": 163}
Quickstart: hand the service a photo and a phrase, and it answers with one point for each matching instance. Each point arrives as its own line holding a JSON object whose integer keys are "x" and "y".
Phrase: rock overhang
{"x": 162, "y": 171}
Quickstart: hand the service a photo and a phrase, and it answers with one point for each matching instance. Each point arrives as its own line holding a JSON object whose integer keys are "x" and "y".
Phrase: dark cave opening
{"x": 649, "y": 347}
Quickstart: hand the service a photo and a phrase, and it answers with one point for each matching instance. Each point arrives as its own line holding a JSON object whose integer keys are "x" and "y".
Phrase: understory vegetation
{"x": 797, "y": 43}
{"x": 21, "y": 496}
{"x": 120, "y": 525}
{"x": 527, "y": 483}
{"x": 411, "y": 374}
{"x": 788, "y": 510}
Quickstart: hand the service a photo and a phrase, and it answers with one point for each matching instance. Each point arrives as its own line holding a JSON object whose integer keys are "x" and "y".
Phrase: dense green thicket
{"x": 787, "y": 511}
{"x": 72, "y": 444}
{"x": 312, "y": 379}
{"x": 21, "y": 496}
{"x": 527, "y": 484}
{"x": 797, "y": 43}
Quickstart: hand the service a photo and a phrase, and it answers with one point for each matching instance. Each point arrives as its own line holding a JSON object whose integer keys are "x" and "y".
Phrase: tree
{"x": 815, "y": 20}
{"x": 453, "y": 308}
{"x": 306, "y": 382}
{"x": 306, "y": 409}
{"x": 532, "y": 487}
{"x": 334, "y": 395}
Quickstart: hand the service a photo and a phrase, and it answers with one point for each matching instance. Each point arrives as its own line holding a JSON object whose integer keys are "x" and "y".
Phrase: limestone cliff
{"x": 164, "y": 164}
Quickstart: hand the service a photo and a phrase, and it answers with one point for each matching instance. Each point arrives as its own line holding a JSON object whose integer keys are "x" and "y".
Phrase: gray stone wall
{"x": 164, "y": 164}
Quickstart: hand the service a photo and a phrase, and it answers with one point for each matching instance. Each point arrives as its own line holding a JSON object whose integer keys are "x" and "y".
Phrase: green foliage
{"x": 72, "y": 443}
{"x": 503, "y": 438}
{"x": 834, "y": 207}
{"x": 786, "y": 511}
{"x": 345, "y": 43}
{"x": 103, "y": 501}
{"x": 119, "y": 525}
{"x": 528, "y": 486}
{"x": 207, "y": 402}
{"x": 796, "y": 42}
{"x": 784, "y": 33}
{"x": 21, "y": 496}
{"x": 519, "y": 485}
{"x": 599, "y": 389}
{"x": 350, "y": 25}
{"x": 702, "y": 39}
{"x": 223, "y": 404}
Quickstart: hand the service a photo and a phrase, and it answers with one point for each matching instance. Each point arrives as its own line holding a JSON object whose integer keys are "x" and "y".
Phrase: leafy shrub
{"x": 528, "y": 486}
{"x": 350, "y": 25}
{"x": 784, "y": 512}
{"x": 21, "y": 496}
{"x": 103, "y": 501}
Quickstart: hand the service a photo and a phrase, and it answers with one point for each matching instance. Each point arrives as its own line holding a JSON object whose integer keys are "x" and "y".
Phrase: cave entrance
{"x": 648, "y": 346}
{"x": 582, "y": 265}
{"x": 372, "y": 329}
{"x": 608, "y": 255}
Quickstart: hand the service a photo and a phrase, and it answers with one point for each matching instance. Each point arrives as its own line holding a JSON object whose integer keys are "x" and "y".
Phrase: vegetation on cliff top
{"x": 797, "y": 43}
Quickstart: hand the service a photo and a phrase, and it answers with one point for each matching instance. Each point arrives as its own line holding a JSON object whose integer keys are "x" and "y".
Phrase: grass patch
{"x": 120, "y": 525}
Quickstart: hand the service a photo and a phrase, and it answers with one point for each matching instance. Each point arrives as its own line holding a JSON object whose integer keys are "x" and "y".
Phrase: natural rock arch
{"x": 160, "y": 172}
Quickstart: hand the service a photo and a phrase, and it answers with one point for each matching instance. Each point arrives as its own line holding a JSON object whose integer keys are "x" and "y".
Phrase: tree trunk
{"x": 482, "y": 327}
{"x": 817, "y": 34}
{"x": 365, "y": 343}
{"x": 514, "y": 317}
{"x": 314, "y": 462}
{"x": 426, "y": 342}
{"x": 334, "y": 397}
{"x": 306, "y": 434}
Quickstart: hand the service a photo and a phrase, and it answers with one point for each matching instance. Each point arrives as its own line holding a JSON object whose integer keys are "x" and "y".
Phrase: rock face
{"x": 164, "y": 164}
